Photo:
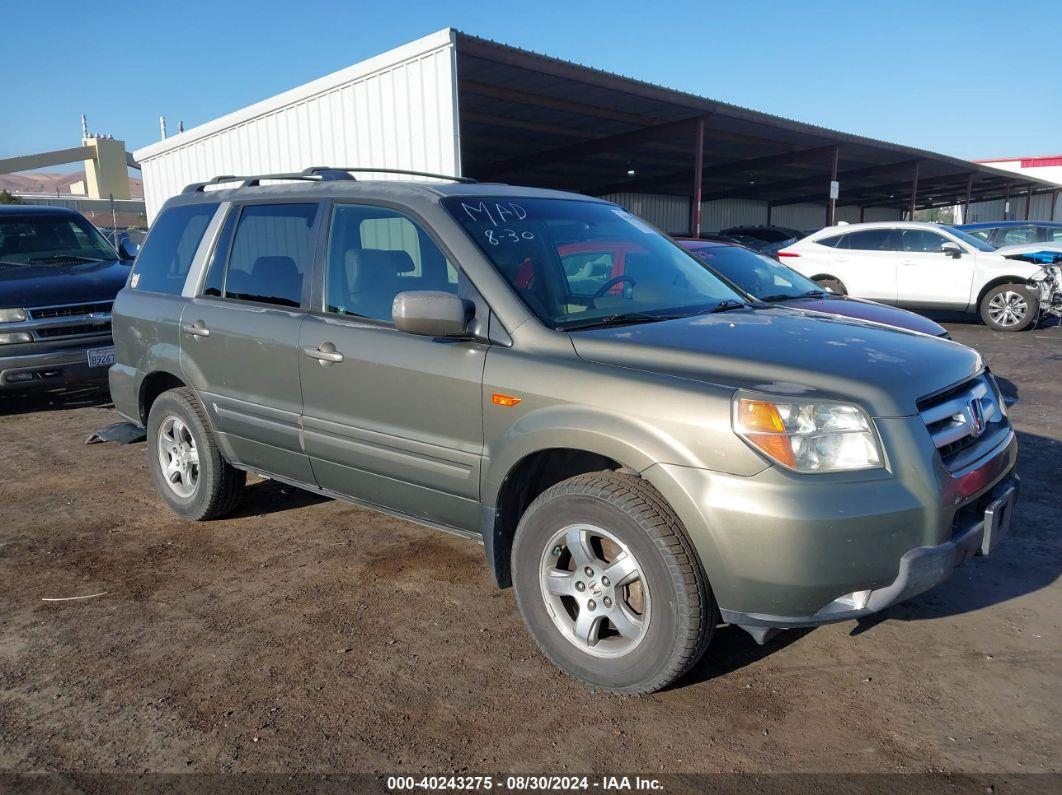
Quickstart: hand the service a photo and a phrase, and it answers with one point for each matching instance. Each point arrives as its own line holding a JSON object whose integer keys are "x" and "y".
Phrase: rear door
{"x": 240, "y": 334}
{"x": 929, "y": 277}
{"x": 866, "y": 261}
{"x": 390, "y": 418}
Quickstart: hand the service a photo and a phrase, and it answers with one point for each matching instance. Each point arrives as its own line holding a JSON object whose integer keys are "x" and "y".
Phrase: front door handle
{"x": 326, "y": 354}
{"x": 196, "y": 329}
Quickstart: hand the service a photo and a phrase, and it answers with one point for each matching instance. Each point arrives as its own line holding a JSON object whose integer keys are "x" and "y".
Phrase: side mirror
{"x": 951, "y": 249}
{"x": 127, "y": 249}
{"x": 432, "y": 314}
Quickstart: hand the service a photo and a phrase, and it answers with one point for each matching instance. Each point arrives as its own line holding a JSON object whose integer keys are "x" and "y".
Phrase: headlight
{"x": 15, "y": 337}
{"x": 808, "y": 436}
{"x": 12, "y": 315}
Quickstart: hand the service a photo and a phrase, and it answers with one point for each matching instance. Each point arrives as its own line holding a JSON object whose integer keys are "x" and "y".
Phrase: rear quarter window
{"x": 163, "y": 263}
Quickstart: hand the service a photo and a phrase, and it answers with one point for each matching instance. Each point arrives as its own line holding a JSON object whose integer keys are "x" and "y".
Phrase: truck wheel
{"x": 609, "y": 585}
{"x": 190, "y": 474}
{"x": 1010, "y": 307}
{"x": 835, "y": 286}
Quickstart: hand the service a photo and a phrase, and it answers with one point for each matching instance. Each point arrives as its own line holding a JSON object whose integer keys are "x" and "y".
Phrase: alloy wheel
{"x": 178, "y": 456}
{"x": 1008, "y": 308}
{"x": 594, "y": 590}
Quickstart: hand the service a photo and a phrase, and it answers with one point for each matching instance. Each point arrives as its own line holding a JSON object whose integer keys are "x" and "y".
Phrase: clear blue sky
{"x": 974, "y": 79}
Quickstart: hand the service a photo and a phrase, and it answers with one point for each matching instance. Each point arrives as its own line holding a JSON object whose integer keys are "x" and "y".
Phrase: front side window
{"x": 528, "y": 240}
{"x": 272, "y": 249}
{"x": 1018, "y": 236}
{"x": 920, "y": 241}
{"x": 162, "y": 265}
{"x": 1054, "y": 234}
{"x": 373, "y": 255}
{"x": 980, "y": 234}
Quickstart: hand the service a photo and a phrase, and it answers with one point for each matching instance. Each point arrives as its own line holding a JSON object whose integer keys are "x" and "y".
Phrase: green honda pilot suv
{"x": 644, "y": 451}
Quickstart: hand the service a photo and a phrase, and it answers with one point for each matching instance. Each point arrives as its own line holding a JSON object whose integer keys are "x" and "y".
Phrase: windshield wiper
{"x": 779, "y": 297}
{"x": 813, "y": 293}
{"x": 63, "y": 258}
{"x": 725, "y": 306}
{"x": 618, "y": 319}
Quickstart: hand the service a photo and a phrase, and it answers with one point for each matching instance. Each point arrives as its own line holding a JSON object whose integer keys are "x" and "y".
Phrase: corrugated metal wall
{"x": 397, "y": 110}
{"x": 671, "y": 213}
{"x": 994, "y": 210}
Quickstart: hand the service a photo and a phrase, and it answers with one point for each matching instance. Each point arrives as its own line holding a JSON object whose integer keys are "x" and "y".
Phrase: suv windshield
{"x": 33, "y": 239}
{"x": 970, "y": 240}
{"x": 577, "y": 264}
{"x": 756, "y": 274}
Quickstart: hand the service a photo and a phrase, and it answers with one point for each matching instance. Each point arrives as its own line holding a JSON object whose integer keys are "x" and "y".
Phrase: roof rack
{"x": 316, "y": 174}
{"x": 358, "y": 170}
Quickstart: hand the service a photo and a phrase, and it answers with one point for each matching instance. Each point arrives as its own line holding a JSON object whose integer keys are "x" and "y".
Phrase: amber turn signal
{"x": 498, "y": 399}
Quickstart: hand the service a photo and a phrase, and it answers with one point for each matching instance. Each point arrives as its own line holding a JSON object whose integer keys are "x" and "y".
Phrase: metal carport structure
{"x": 455, "y": 103}
{"x": 531, "y": 119}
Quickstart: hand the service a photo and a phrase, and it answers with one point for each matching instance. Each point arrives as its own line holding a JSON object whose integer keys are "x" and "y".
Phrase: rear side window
{"x": 271, "y": 252}
{"x": 163, "y": 263}
{"x": 1018, "y": 236}
{"x": 872, "y": 240}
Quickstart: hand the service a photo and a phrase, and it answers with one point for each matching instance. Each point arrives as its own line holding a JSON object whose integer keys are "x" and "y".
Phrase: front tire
{"x": 609, "y": 585}
{"x": 186, "y": 463}
{"x": 1010, "y": 307}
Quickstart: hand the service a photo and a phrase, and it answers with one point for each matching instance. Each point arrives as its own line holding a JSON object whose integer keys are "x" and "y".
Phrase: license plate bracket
{"x": 997, "y": 520}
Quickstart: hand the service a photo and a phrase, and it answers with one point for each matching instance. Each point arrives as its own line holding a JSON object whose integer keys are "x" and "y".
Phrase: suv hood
{"x": 785, "y": 351}
{"x": 28, "y": 286}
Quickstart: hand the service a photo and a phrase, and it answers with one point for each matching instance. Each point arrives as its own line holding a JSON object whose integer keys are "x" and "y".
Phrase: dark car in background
{"x": 58, "y": 279}
{"x": 1015, "y": 233}
{"x": 766, "y": 239}
{"x": 772, "y": 282}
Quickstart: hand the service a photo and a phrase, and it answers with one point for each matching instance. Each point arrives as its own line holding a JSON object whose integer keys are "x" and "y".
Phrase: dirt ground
{"x": 310, "y": 636}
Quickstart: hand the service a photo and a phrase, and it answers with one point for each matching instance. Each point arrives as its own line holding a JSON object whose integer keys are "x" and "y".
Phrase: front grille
{"x": 964, "y": 418}
{"x": 74, "y": 331}
{"x": 72, "y": 310}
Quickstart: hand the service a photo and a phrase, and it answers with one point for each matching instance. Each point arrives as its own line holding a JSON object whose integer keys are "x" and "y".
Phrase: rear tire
{"x": 641, "y": 629}
{"x": 190, "y": 473}
{"x": 1010, "y": 307}
{"x": 835, "y": 286}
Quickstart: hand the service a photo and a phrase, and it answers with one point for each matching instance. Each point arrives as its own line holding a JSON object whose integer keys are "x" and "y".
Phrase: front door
{"x": 239, "y": 336}
{"x": 390, "y": 418}
{"x": 928, "y": 276}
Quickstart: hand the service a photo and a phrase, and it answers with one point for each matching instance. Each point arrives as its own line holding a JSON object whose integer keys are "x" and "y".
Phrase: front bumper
{"x": 63, "y": 367}
{"x": 921, "y": 568}
{"x": 785, "y": 550}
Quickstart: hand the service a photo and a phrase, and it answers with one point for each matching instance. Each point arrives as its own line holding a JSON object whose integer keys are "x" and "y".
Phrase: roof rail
{"x": 316, "y": 174}
{"x": 359, "y": 170}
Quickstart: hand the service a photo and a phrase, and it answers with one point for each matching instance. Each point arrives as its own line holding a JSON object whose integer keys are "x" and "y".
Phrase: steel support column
{"x": 966, "y": 204}
{"x": 1028, "y": 201}
{"x": 831, "y": 203}
{"x": 698, "y": 181}
{"x": 1054, "y": 201}
{"x": 1006, "y": 201}
{"x": 914, "y": 191}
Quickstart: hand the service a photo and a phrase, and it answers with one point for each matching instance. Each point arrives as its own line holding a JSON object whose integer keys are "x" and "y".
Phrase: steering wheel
{"x": 604, "y": 288}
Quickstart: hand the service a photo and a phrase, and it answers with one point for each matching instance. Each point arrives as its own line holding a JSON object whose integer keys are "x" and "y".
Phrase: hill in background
{"x": 52, "y": 181}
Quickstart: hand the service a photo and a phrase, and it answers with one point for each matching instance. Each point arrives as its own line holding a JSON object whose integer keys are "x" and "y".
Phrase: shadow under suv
{"x": 642, "y": 455}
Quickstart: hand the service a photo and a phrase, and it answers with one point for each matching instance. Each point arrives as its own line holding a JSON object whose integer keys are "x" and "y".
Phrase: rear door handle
{"x": 326, "y": 354}
{"x": 196, "y": 329}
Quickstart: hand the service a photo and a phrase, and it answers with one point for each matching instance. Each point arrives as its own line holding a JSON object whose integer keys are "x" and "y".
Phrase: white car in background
{"x": 927, "y": 266}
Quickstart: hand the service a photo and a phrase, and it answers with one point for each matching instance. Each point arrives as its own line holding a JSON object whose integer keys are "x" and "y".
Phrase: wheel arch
{"x": 151, "y": 386}
{"x": 999, "y": 281}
